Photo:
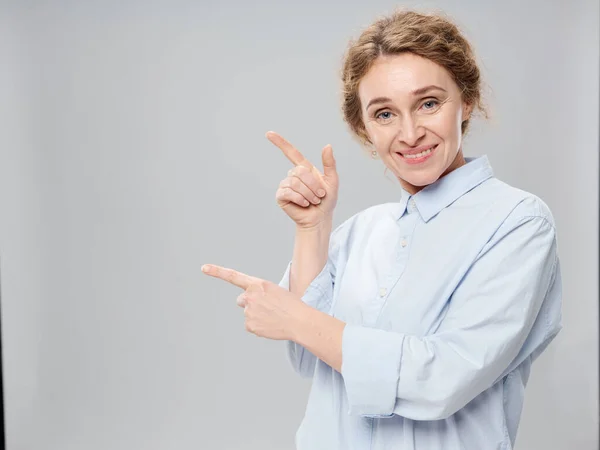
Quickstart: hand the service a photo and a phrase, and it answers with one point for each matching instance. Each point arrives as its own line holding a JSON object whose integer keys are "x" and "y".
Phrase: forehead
{"x": 398, "y": 75}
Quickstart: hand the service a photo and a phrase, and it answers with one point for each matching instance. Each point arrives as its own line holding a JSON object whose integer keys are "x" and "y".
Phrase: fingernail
{"x": 204, "y": 268}
{"x": 321, "y": 192}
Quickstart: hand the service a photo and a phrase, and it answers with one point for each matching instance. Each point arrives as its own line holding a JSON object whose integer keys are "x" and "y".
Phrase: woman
{"x": 419, "y": 320}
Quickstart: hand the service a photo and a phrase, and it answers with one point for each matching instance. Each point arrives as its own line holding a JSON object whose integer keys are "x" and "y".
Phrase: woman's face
{"x": 411, "y": 105}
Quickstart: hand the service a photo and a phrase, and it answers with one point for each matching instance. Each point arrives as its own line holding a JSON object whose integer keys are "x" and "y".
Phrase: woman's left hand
{"x": 271, "y": 311}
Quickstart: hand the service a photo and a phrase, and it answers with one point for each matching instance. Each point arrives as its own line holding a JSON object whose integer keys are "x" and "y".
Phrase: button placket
{"x": 399, "y": 265}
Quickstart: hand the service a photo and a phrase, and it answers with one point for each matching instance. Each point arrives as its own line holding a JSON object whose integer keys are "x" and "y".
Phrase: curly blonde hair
{"x": 429, "y": 35}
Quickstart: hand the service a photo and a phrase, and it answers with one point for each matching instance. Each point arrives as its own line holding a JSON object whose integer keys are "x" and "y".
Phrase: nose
{"x": 411, "y": 132}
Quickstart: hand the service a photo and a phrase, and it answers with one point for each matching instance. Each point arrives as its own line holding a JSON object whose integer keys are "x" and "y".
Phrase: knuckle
{"x": 283, "y": 193}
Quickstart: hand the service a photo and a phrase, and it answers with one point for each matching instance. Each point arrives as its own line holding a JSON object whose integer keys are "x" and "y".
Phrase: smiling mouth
{"x": 418, "y": 157}
{"x": 420, "y": 154}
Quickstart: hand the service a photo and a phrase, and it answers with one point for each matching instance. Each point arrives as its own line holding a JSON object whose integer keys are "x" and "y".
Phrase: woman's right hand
{"x": 298, "y": 194}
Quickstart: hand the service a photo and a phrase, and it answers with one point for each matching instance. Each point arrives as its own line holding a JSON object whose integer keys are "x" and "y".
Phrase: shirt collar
{"x": 433, "y": 198}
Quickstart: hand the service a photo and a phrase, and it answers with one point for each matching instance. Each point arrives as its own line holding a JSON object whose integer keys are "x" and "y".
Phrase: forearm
{"x": 321, "y": 334}
{"x": 311, "y": 247}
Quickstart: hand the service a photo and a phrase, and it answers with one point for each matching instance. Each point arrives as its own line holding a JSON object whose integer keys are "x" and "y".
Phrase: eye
{"x": 430, "y": 104}
{"x": 384, "y": 116}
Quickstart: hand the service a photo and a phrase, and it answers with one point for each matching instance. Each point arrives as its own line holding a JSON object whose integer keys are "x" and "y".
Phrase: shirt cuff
{"x": 319, "y": 292}
{"x": 370, "y": 368}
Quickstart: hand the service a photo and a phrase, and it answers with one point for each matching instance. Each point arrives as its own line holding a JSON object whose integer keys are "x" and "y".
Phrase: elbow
{"x": 443, "y": 410}
{"x": 419, "y": 411}
{"x": 440, "y": 404}
{"x": 447, "y": 401}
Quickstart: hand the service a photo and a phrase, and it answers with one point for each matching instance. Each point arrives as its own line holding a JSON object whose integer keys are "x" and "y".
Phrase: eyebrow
{"x": 419, "y": 91}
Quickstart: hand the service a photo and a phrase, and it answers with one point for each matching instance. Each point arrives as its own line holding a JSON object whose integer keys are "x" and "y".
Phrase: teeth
{"x": 419, "y": 155}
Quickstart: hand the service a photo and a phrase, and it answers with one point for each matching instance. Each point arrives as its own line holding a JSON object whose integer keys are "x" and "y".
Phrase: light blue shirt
{"x": 448, "y": 296}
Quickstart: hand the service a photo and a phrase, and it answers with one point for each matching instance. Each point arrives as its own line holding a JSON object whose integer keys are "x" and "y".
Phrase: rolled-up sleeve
{"x": 319, "y": 292}
{"x": 490, "y": 317}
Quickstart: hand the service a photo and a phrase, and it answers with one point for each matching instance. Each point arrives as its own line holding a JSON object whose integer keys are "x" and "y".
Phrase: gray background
{"x": 133, "y": 151}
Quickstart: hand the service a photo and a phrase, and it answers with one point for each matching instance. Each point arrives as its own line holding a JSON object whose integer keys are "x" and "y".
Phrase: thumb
{"x": 329, "y": 168}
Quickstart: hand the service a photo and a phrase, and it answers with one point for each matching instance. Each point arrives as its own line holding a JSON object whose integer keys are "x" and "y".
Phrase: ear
{"x": 364, "y": 136}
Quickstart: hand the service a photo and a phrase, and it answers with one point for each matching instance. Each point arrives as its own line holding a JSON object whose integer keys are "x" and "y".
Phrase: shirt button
{"x": 403, "y": 243}
{"x": 382, "y": 292}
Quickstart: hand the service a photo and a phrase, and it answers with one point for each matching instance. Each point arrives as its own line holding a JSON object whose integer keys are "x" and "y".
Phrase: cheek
{"x": 380, "y": 136}
{"x": 447, "y": 126}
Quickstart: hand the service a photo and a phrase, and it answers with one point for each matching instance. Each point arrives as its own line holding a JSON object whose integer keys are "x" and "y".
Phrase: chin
{"x": 421, "y": 180}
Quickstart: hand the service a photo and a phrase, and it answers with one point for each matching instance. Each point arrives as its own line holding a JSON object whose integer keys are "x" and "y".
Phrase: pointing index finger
{"x": 291, "y": 152}
{"x": 234, "y": 277}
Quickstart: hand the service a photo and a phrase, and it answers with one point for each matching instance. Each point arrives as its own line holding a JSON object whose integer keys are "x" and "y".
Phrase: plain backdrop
{"x": 132, "y": 151}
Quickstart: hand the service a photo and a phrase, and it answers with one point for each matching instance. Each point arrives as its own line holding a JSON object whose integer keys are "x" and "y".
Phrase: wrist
{"x": 324, "y": 226}
{"x": 300, "y": 321}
